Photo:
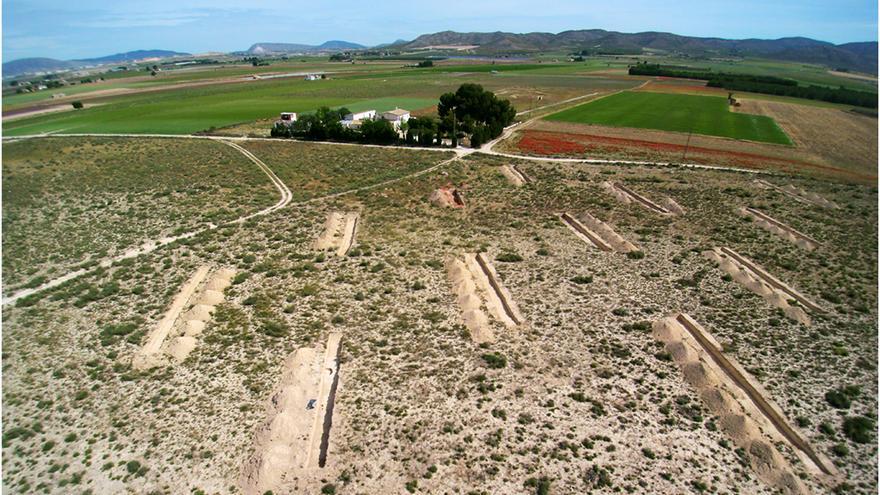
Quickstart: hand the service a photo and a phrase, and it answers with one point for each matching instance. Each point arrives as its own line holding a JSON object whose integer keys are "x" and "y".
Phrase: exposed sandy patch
{"x": 770, "y": 224}
{"x": 447, "y": 196}
{"x": 339, "y": 234}
{"x": 597, "y": 233}
{"x": 498, "y": 299}
{"x": 754, "y": 278}
{"x": 13, "y": 115}
{"x": 854, "y": 75}
{"x": 176, "y": 334}
{"x": 476, "y": 285}
{"x": 146, "y": 357}
{"x": 840, "y": 138}
{"x": 294, "y": 440}
{"x": 746, "y": 412}
{"x": 465, "y": 289}
{"x": 513, "y": 175}
{"x": 627, "y": 195}
{"x": 799, "y": 194}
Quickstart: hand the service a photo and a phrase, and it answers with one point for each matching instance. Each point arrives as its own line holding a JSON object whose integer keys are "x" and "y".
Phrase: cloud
{"x": 135, "y": 20}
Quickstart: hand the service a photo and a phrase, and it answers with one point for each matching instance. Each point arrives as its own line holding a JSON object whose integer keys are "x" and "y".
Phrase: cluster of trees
{"x": 426, "y": 63}
{"x": 472, "y": 111}
{"x": 469, "y": 112}
{"x": 324, "y": 125}
{"x": 340, "y": 57}
{"x": 761, "y": 84}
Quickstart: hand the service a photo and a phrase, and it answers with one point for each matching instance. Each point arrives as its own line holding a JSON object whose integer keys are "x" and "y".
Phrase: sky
{"x": 71, "y": 29}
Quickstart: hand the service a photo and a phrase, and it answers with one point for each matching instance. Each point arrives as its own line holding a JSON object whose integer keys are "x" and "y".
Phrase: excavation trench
{"x": 809, "y": 241}
{"x": 770, "y": 412}
{"x": 499, "y": 291}
{"x": 641, "y": 199}
{"x": 771, "y": 280}
{"x": 328, "y": 417}
{"x": 580, "y": 228}
{"x": 525, "y": 178}
{"x": 457, "y": 198}
{"x": 799, "y": 194}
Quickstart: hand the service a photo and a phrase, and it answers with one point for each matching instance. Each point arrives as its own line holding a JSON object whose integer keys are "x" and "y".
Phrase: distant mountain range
{"x": 853, "y": 56}
{"x": 328, "y": 46}
{"x": 34, "y": 65}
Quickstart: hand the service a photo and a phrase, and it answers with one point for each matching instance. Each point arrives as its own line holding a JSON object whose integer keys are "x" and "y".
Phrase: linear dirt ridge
{"x": 771, "y": 280}
{"x": 497, "y": 288}
{"x": 767, "y": 218}
{"x": 328, "y": 415}
{"x": 525, "y": 178}
{"x": 641, "y": 199}
{"x": 348, "y": 234}
{"x": 757, "y": 398}
{"x": 581, "y": 228}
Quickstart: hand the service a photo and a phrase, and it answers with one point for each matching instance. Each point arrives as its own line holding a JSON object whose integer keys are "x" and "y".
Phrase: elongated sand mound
{"x": 627, "y": 195}
{"x": 515, "y": 175}
{"x": 176, "y": 334}
{"x": 798, "y": 194}
{"x": 770, "y": 224}
{"x": 597, "y": 233}
{"x": 476, "y": 286}
{"x": 745, "y": 412}
{"x": 294, "y": 439}
{"x": 756, "y": 279}
{"x": 339, "y": 234}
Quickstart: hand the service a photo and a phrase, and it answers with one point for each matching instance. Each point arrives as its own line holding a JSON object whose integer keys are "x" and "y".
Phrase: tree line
{"x": 761, "y": 84}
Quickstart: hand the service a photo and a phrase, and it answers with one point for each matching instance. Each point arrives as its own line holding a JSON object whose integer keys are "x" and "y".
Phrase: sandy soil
{"x": 290, "y": 443}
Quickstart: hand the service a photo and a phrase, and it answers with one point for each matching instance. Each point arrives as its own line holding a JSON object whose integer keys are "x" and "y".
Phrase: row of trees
{"x": 761, "y": 84}
{"x": 470, "y": 112}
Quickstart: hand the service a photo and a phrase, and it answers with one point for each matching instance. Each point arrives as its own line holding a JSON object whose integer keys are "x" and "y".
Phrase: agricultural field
{"x": 707, "y": 115}
{"x": 578, "y": 395}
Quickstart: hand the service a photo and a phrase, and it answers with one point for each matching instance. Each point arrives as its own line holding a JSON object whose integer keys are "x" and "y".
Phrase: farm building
{"x": 353, "y": 120}
{"x": 396, "y": 117}
{"x": 287, "y": 118}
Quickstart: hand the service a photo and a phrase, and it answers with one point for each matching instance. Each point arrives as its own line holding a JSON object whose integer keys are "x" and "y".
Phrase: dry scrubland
{"x": 579, "y": 397}
{"x": 70, "y": 202}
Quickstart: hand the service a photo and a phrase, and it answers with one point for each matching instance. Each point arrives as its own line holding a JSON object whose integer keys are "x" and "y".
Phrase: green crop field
{"x": 707, "y": 115}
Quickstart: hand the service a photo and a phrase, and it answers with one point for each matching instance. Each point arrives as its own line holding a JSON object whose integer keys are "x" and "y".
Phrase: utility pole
{"x": 687, "y": 143}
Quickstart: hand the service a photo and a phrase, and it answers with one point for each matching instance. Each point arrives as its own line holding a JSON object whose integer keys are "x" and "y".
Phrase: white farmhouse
{"x": 353, "y": 120}
{"x": 287, "y": 118}
{"x": 396, "y": 117}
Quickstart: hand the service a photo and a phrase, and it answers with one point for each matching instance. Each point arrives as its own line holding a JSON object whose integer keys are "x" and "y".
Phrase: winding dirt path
{"x": 286, "y": 196}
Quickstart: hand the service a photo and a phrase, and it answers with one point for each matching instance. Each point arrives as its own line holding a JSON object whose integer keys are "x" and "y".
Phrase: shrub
{"x": 635, "y": 255}
{"x": 494, "y": 360}
{"x": 77, "y": 104}
{"x": 509, "y": 258}
{"x": 582, "y": 279}
{"x": 328, "y": 489}
{"x": 838, "y": 399}
{"x": 274, "y": 328}
{"x": 858, "y": 429}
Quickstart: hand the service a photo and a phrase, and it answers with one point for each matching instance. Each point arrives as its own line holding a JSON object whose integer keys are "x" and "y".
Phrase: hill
{"x": 133, "y": 55}
{"x": 328, "y": 46}
{"x": 35, "y": 65}
{"x": 853, "y": 56}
